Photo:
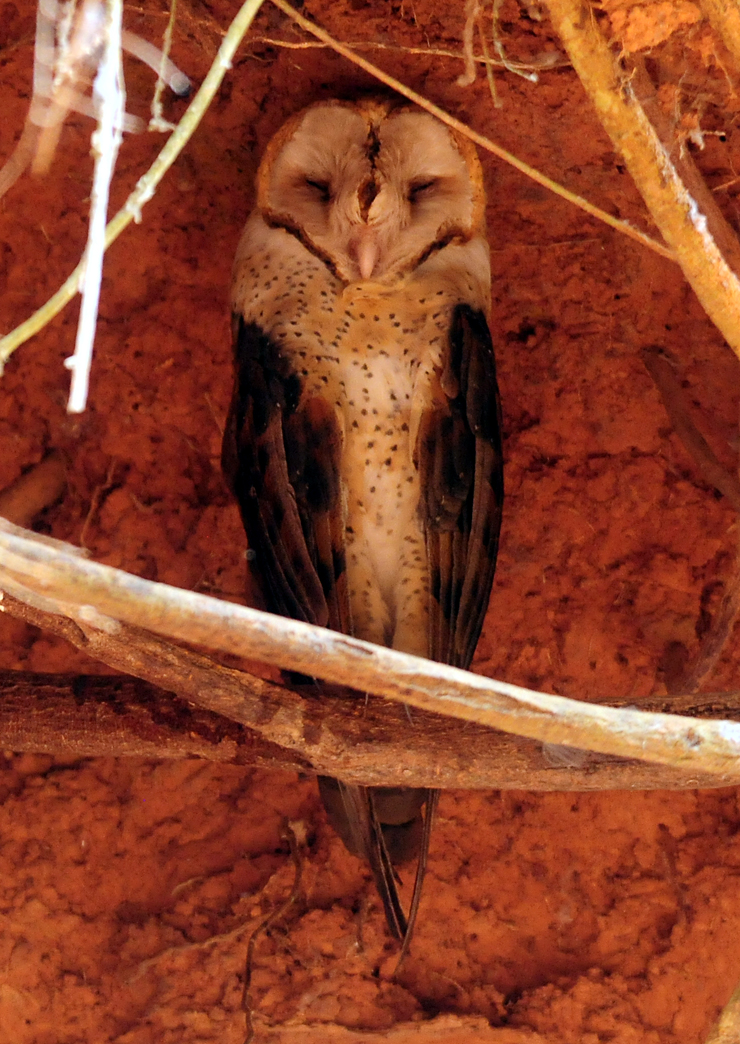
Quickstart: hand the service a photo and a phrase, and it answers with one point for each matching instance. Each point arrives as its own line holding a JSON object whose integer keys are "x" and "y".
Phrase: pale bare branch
{"x": 104, "y": 598}
{"x": 109, "y": 96}
{"x": 146, "y": 186}
{"x": 485, "y": 143}
{"x": 365, "y": 743}
{"x": 679, "y": 203}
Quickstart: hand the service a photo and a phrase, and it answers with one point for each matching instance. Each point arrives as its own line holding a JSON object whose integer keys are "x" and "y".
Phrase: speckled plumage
{"x": 363, "y": 442}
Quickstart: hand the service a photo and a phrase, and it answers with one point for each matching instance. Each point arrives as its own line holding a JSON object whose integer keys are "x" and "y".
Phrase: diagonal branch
{"x": 485, "y": 143}
{"x": 99, "y": 597}
{"x": 146, "y": 185}
{"x": 91, "y": 716}
{"x": 682, "y": 208}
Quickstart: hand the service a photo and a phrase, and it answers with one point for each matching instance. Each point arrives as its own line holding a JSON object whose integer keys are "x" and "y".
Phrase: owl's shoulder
{"x": 275, "y": 275}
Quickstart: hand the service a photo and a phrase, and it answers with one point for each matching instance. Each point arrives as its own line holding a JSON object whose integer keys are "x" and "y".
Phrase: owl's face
{"x": 371, "y": 188}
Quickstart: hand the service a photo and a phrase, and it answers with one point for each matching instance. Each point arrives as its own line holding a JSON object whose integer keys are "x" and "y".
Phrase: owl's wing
{"x": 281, "y": 455}
{"x": 459, "y": 456}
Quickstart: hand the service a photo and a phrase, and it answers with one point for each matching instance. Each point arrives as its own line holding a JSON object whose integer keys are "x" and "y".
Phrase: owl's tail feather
{"x": 384, "y": 826}
{"x": 421, "y": 867}
{"x": 367, "y": 835}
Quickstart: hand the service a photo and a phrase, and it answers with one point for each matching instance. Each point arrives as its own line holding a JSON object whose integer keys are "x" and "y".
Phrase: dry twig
{"x": 146, "y": 185}
{"x": 680, "y": 205}
{"x": 529, "y": 69}
{"x": 103, "y": 598}
{"x": 485, "y": 143}
{"x": 93, "y": 716}
{"x": 472, "y": 15}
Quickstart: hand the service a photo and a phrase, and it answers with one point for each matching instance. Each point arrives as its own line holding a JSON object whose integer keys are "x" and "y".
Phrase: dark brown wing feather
{"x": 460, "y": 460}
{"x": 281, "y": 455}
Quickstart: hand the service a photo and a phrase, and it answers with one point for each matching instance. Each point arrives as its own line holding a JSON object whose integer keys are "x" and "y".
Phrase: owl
{"x": 363, "y": 443}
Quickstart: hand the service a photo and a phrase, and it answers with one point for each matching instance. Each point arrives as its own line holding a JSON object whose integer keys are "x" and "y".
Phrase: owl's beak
{"x": 366, "y": 249}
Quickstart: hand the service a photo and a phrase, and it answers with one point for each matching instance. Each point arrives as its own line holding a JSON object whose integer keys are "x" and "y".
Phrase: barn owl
{"x": 364, "y": 437}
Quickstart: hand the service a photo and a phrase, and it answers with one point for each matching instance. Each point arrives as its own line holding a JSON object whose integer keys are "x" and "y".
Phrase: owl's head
{"x": 373, "y": 188}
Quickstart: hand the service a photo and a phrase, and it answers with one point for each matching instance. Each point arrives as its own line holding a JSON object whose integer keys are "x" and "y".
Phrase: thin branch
{"x": 146, "y": 186}
{"x": 472, "y": 12}
{"x": 529, "y": 69}
{"x": 489, "y": 70}
{"x": 165, "y": 73}
{"x": 103, "y": 598}
{"x": 365, "y": 743}
{"x": 485, "y": 143}
{"x": 679, "y": 203}
{"x": 509, "y": 65}
{"x": 110, "y": 98}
